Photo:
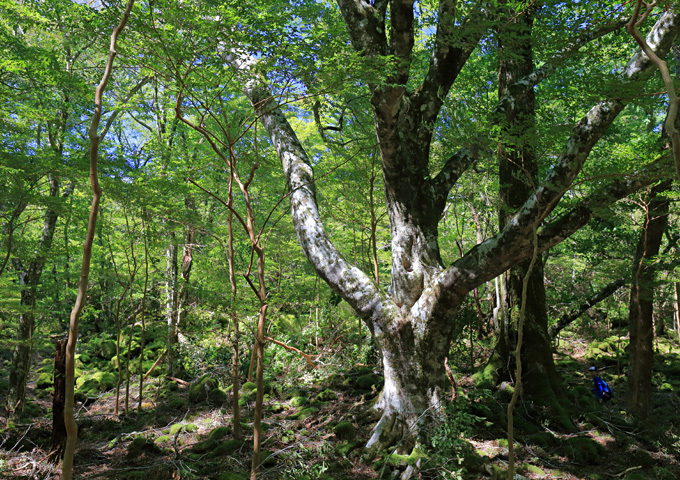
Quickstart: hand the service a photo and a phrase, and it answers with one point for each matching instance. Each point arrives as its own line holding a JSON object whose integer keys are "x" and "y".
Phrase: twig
{"x": 307, "y": 357}
{"x": 155, "y": 364}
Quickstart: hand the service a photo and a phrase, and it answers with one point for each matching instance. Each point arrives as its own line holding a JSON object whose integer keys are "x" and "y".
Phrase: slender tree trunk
{"x": 171, "y": 305}
{"x": 641, "y": 354}
{"x": 58, "y": 401}
{"x": 95, "y": 139}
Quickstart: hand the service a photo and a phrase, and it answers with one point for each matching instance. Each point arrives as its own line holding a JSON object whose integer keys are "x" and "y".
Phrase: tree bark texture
{"x": 171, "y": 305}
{"x": 413, "y": 319}
{"x": 95, "y": 139}
{"x": 641, "y": 321}
{"x": 58, "y": 401}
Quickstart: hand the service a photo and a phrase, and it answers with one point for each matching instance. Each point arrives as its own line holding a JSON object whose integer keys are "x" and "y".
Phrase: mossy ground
{"x": 316, "y": 428}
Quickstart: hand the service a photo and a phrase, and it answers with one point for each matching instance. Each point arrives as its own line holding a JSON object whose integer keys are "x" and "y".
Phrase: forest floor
{"x": 315, "y": 429}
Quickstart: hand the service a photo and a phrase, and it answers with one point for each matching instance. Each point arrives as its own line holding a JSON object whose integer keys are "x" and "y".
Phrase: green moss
{"x": 344, "y": 430}
{"x": 533, "y": 469}
{"x": 368, "y": 381}
{"x": 661, "y": 473}
{"x": 635, "y": 476}
{"x": 487, "y": 377}
{"x": 401, "y": 460}
{"x": 327, "y": 396}
{"x": 140, "y": 446}
{"x": 163, "y": 439}
{"x": 582, "y": 449}
{"x": 107, "y": 349}
{"x": 248, "y": 387}
{"x": 44, "y": 380}
{"x": 304, "y": 413}
{"x": 276, "y": 407}
{"x": 201, "y": 388}
{"x": 176, "y": 402}
{"x": 298, "y": 401}
{"x": 217, "y": 397}
{"x": 641, "y": 457}
{"x": 106, "y": 380}
{"x": 31, "y": 409}
{"x": 231, "y": 476}
{"x": 226, "y": 448}
{"x": 205, "y": 446}
{"x": 177, "y": 428}
{"x": 343, "y": 449}
{"x": 542, "y": 439}
{"x": 219, "y": 433}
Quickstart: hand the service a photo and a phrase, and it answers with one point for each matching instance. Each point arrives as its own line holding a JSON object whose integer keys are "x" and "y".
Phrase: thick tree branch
{"x": 594, "y": 299}
{"x": 453, "y": 46}
{"x": 351, "y": 283}
{"x": 673, "y": 100}
{"x": 454, "y": 167}
{"x": 401, "y": 37}
{"x": 494, "y": 256}
{"x": 366, "y": 26}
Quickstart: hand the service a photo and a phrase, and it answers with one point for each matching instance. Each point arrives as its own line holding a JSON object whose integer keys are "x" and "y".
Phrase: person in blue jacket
{"x": 600, "y": 388}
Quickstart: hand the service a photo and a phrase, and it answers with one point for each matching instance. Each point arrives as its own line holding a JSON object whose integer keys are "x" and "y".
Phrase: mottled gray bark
{"x": 413, "y": 320}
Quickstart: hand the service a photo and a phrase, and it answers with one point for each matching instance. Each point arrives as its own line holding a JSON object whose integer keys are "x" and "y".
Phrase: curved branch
{"x": 353, "y": 285}
{"x": 95, "y": 139}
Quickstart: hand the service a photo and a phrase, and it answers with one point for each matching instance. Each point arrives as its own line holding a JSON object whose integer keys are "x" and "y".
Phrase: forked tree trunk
{"x": 641, "y": 354}
{"x": 413, "y": 321}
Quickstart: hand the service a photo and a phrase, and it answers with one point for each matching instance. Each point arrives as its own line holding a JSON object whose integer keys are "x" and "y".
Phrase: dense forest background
{"x": 483, "y": 207}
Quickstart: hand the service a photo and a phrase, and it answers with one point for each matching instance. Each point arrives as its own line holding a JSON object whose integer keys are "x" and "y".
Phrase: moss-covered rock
{"x": 106, "y": 349}
{"x": 276, "y": 407}
{"x": 217, "y": 397}
{"x": 142, "y": 446}
{"x": 44, "y": 380}
{"x": 298, "y": 401}
{"x": 219, "y": 433}
{"x": 304, "y": 414}
{"x": 31, "y": 409}
{"x": 327, "y": 396}
{"x": 582, "y": 449}
{"x": 248, "y": 387}
{"x": 201, "y": 388}
{"x": 106, "y": 380}
{"x": 641, "y": 457}
{"x": 163, "y": 439}
{"x": 368, "y": 382}
{"x": 226, "y": 448}
{"x": 205, "y": 446}
{"x": 344, "y": 430}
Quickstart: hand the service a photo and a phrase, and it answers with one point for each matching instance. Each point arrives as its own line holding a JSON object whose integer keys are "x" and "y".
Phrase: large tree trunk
{"x": 413, "y": 321}
{"x": 641, "y": 354}
{"x": 518, "y": 171}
